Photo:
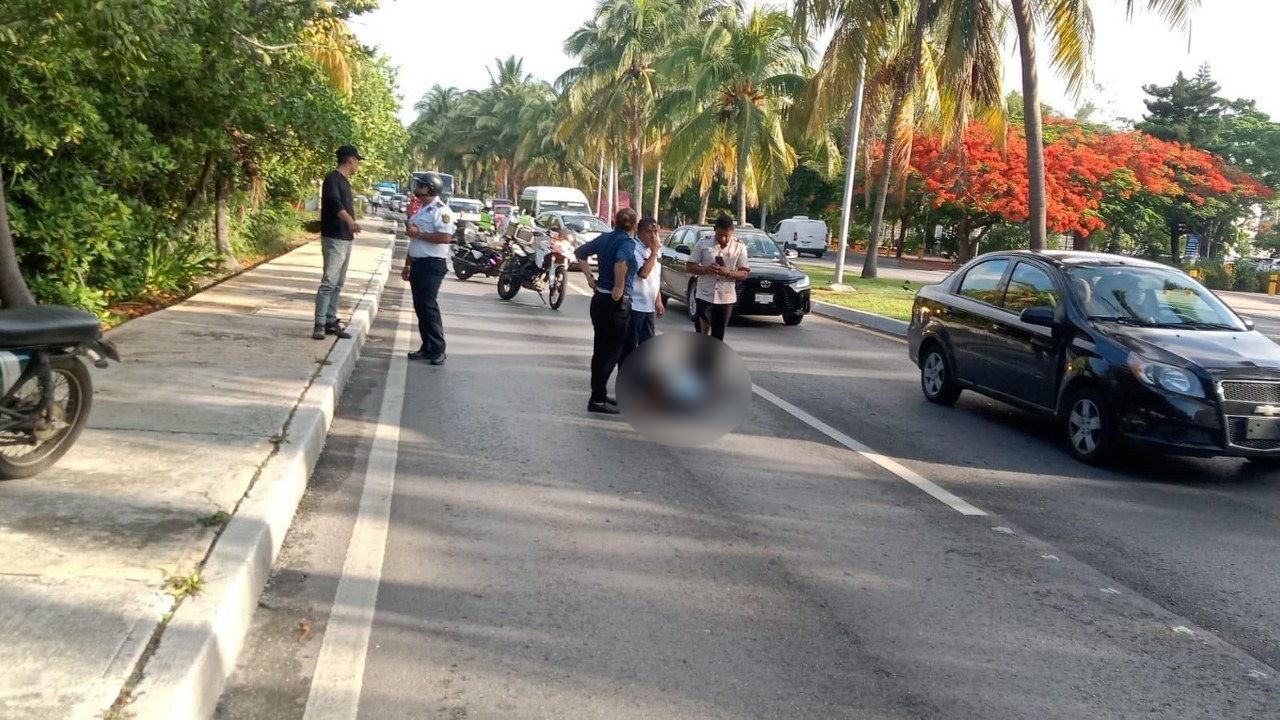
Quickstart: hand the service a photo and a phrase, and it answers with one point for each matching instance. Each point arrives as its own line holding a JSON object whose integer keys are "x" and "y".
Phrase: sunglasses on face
{"x": 421, "y": 196}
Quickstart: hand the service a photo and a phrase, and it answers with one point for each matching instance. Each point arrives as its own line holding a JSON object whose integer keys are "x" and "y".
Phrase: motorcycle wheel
{"x": 555, "y": 295}
{"x": 73, "y": 397}
{"x": 507, "y": 287}
{"x": 461, "y": 273}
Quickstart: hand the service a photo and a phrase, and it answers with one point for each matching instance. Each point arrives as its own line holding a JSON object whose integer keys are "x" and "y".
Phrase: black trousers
{"x": 609, "y": 317}
{"x": 425, "y": 276}
{"x": 713, "y": 318}
{"x": 640, "y": 328}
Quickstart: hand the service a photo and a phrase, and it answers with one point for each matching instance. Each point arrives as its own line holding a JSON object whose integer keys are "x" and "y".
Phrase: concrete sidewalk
{"x": 199, "y": 411}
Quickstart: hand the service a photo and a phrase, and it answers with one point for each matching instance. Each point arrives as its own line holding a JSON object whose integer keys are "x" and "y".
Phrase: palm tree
{"x": 746, "y": 68}
{"x": 619, "y": 50}
{"x": 1069, "y": 30}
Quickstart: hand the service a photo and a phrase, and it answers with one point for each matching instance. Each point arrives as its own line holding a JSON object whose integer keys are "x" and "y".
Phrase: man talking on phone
{"x": 719, "y": 263}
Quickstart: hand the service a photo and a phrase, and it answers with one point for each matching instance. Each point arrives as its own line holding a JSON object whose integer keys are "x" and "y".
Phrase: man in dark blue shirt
{"x": 610, "y": 302}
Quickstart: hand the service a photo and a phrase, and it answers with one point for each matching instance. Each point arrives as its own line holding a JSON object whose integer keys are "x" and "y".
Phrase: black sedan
{"x": 1119, "y": 350}
{"x": 774, "y": 288}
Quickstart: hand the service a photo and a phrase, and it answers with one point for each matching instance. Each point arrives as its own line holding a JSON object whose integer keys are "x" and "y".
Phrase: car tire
{"x": 1264, "y": 464}
{"x": 690, "y": 301}
{"x": 1088, "y": 426}
{"x": 818, "y": 254}
{"x": 936, "y": 379}
{"x": 793, "y": 319}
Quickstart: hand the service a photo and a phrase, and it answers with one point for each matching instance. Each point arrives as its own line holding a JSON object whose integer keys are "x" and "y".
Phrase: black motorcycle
{"x": 521, "y": 269}
{"x": 47, "y": 389}
{"x": 475, "y": 254}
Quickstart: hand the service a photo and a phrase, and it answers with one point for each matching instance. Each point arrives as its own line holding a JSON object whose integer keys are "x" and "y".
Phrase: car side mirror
{"x": 1248, "y": 321}
{"x": 1040, "y": 316}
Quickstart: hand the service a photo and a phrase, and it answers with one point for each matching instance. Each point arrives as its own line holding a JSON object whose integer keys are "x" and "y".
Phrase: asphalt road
{"x": 540, "y": 562}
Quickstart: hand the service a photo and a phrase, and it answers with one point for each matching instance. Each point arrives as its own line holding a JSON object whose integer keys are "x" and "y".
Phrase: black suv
{"x": 1116, "y": 348}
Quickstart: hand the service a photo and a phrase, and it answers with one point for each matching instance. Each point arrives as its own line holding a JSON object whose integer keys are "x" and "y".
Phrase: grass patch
{"x": 218, "y": 519}
{"x": 180, "y": 586}
{"x": 882, "y": 296}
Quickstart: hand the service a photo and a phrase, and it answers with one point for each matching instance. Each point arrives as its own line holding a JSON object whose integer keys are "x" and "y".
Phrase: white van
{"x": 543, "y": 199}
{"x": 803, "y": 234}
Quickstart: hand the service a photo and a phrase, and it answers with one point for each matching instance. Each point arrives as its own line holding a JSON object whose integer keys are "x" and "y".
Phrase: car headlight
{"x": 801, "y": 284}
{"x": 1165, "y": 377}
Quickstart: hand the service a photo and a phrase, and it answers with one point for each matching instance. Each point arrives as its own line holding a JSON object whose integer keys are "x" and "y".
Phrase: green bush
{"x": 1248, "y": 279}
{"x": 1214, "y": 275}
{"x": 268, "y": 231}
{"x": 176, "y": 266}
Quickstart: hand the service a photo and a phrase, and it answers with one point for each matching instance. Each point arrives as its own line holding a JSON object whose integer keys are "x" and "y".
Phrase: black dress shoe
{"x": 438, "y": 360}
{"x": 418, "y": 355}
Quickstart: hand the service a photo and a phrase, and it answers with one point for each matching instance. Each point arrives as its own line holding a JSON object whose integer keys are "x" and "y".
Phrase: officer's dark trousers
{"x": 425, "y": 276}
{"x": 609, "y": 317}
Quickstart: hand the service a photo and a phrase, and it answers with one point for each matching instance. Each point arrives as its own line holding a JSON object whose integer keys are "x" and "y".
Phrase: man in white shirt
{"x": 646, "y": 298}
{"x": 430, "y": 233}
{"x": 719, "y": 263}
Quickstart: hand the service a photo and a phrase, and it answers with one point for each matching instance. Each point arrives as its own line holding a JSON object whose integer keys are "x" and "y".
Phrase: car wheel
{"x": 935, "y": 377}
{"x": 819, "y": 254}
{"x": 691, "y": 304}
{"x": 792, "y": 319}
{"x": 1088, "y": 426}
{"x": 1265, "y": 464}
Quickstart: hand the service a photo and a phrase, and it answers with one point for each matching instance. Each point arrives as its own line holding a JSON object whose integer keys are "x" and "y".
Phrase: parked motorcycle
{"x": 522, "y": 265}
{"x": 47, "y": 389}
{"x": 476, "y": 255}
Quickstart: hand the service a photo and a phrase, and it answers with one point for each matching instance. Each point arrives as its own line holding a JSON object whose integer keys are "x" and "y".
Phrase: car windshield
{"x": 463, "y": 206}
{"x": 1150, "y": 297}
{"x": 758, "y": 244}
{"x": 585, "y": 223}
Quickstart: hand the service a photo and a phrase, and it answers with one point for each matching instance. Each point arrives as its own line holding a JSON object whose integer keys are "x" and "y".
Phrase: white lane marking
{"x": 339, "y": 673}
{"x": 883, "y": 461}
{"x": 580, "y": 291}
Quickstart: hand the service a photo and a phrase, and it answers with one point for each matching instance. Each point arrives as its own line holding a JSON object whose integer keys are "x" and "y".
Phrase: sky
{"x": 1233, "y": 36}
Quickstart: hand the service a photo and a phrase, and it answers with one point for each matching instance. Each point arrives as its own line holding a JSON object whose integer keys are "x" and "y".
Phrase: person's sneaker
{"x": 602, "y": 407}
{"x": 337, "y": 330}
{"x": 318, "y": 333}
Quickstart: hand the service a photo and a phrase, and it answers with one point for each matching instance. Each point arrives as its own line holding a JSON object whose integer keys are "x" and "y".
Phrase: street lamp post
{"x": 854, "y": 125}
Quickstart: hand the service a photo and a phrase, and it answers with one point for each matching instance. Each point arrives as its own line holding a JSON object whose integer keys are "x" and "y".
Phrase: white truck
{"x": 802, "y": 234}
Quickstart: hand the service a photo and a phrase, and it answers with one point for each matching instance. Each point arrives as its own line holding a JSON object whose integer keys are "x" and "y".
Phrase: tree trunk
{"x": 930, "y": 229}
{"x": 963, "y": 249}
{"x": 704, "y": 203}
{"x": 195, "y": 197}
{"x": 902, "y": 236}
{"x": 1032, "y": 122}
{"x": 1079, "y": 241}
{"x": 742, "y": 173}
{"x": 657, "y": 189}
{"x": 600, "y": 189}
{"x": 895, "y": 115}
{"x": 1175, "y": 252}
{"x": 14, "y": 292}
{"x": 637, "y": 157}
{"x": 222, "y": 220}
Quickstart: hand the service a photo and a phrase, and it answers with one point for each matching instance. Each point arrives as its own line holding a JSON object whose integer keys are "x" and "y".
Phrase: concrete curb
{"x": 198, "y": 649}
{"x": 859, "y": 317}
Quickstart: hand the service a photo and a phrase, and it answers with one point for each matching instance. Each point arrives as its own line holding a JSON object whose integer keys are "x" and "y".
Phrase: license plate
{"x": 1263, "y": 429}
{"x": 764, "y": 298}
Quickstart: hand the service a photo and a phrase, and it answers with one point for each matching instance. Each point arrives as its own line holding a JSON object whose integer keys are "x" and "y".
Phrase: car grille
{"x": 1236, "y": 435}
{"x": 786, "y": 299}
{"x": 1253, "y": 392}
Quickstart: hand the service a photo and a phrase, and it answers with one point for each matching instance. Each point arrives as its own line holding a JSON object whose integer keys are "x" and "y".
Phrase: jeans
{"x": 609, "y": 317}
{"x": 639, "y": 329}
{"x": 713, "y": 318}
{"x": 425, "y": 276}
{"x": 337, "y": 256}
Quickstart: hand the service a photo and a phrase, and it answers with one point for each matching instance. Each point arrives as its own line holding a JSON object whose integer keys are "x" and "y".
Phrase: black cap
{"x": 348, "y": 151}
{"x": 724, "y": 222}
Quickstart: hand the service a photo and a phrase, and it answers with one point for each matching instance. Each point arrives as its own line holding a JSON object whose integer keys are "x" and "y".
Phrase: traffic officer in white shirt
{"x": 430, "y": 231}
{"x": 646, "y": 297}
{"x": 719, "y": 263}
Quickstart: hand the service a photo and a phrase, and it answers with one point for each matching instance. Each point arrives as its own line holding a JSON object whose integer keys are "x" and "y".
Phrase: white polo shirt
{"x": 432, "y": 218}
{"x": 644, "y": 293}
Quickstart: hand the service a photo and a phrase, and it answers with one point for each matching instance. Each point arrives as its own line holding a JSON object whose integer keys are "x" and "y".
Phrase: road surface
{"x": 506, "y": 555}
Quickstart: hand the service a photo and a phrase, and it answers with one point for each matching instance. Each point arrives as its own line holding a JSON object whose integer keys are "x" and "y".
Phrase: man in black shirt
{"x": 338, "y": 229}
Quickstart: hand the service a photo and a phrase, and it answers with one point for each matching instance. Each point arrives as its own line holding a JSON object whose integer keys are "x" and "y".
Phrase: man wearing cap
{"x": 338, "y": 229}
{"x": 430, "y": 232}
{"x": 718, "y": 262}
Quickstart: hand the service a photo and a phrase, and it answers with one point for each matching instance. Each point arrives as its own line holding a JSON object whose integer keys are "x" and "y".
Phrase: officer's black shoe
{"x": 602, "y": 407}
{"x": 337, "y": 330}
{"x": 438, "y": 360}
{"x": 418, "y": 355}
